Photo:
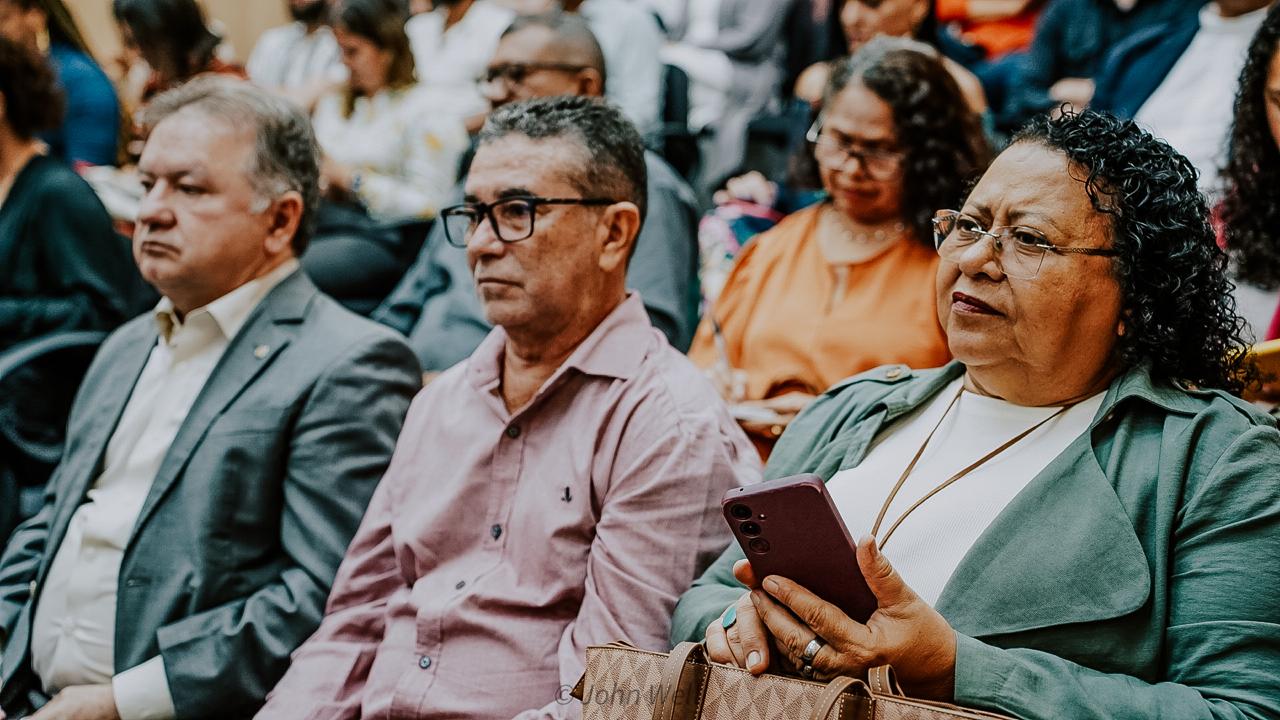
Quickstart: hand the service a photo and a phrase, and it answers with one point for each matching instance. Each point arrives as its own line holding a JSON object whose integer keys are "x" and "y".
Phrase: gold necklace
{"x": 884, "y": 509}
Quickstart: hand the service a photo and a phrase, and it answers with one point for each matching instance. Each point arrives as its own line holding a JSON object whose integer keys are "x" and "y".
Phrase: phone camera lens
{"x": 759, "y": 546}
{"x": 740, "y": 512}
{"x": 750, "y": 529}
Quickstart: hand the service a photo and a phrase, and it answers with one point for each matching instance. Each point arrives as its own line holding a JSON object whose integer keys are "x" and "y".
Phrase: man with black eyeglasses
{"x": 435, "y": 305}
{"x": 558, "y": 489}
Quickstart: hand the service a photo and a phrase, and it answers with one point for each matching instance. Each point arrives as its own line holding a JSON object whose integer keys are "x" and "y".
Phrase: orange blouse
{"x": 783, "y": 329}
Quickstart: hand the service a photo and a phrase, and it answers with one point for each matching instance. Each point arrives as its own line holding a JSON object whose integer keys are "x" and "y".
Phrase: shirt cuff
{"x": 982, "y": 672}
{"x": 142, "y": 692}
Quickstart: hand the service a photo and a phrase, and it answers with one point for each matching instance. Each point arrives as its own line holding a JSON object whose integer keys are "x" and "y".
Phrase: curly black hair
{"x": 1251, "y": 208}
{"x": 1177, "y": 302}
{"x": 33, "y": 101}
{"x": 942, "y": 138}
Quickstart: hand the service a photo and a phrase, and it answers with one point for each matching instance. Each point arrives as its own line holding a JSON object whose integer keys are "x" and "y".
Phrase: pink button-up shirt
{"x": 500, "y": 545}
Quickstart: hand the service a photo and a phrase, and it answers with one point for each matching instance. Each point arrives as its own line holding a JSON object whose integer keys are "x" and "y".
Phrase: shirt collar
{"x": 612, "y": 350}
{"x": 229, "y": 312}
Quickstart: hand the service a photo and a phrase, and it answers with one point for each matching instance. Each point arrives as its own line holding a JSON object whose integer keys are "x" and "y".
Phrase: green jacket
{"x": 1137, "y": 576}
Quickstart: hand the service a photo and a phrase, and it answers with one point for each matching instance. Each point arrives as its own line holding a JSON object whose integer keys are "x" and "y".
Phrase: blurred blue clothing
{"x": 90, "y": 130}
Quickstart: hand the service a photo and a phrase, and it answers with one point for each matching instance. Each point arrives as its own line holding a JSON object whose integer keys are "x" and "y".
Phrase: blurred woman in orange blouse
{"x": 847, "y": 285}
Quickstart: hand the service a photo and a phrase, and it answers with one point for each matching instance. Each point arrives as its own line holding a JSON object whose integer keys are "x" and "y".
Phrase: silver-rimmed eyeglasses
{"x": 1019, "y": 250}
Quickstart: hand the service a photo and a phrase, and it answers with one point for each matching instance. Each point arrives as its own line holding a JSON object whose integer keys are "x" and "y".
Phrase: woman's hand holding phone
{"x": 777, "y": 618}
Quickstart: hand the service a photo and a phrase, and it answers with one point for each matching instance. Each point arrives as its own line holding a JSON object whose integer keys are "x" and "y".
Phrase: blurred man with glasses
{"x": 558, "y": 489}
{"x": 435, "y": 304}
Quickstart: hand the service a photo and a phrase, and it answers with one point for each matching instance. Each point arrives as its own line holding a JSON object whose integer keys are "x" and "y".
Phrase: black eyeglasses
{"x": 511, "y": 74}
{"x": 511, "y": 217}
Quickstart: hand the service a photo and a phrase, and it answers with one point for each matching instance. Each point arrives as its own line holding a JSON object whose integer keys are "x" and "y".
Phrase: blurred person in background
{"x": 862, "y": 20}
{"x": 990, "y": 37}
{"x": 384, "y": 143}
{"x": 1072, "y": 41}
{"x": 390, "y": 156}
{"x": 632, "y": 40}
{"x": 172, "y": 37}
{"x": 300, "y": 60}
{"x": 62, "y": 266}
{"x": 751, "y": 202}
{"x": 846, "y": 285}
{"x": 90, "y": 130}
{"x": 733, "y": 53}
{"x": 452, "y": 43}
{"x": 1179, "y": 80}
{"x": 1249, "y": 215}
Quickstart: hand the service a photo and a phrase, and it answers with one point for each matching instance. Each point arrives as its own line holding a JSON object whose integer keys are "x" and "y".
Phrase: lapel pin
{"x": 261, "y": 351}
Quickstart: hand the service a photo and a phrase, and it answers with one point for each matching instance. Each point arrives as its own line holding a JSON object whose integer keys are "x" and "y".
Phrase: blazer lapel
{"x": 244, "y": 359}
{"x": 106, "y": 407}
{"x": 1064, "y": 551}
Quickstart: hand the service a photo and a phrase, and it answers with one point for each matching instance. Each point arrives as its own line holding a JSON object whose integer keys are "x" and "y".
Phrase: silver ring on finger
{"x": 810, "y": 651}
{"x": 806, "y": 672}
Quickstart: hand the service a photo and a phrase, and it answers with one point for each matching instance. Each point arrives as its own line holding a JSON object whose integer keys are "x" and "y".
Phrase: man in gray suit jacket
{"x": 221, "y": 451}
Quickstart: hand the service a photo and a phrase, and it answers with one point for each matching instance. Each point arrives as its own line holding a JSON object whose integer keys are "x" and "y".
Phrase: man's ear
{"x": 590, "y": 83}
{"x": 284, "y": 217}
{"x": 620, "y": 226}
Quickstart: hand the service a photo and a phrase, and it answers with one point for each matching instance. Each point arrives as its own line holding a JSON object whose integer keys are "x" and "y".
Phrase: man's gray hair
{"x": 611, "y": 146}
{"x": 286, "y": 156}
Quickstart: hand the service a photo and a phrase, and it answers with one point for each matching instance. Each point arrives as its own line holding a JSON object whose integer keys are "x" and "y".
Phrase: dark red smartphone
{"x": 790, "y": 527}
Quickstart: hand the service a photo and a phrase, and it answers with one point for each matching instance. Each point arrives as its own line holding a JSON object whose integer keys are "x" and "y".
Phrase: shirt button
{"x": 513, "y": 431}
{"x": 424, "y": 662}
{"x": 893, "y": 373}
{"x": 461, "y": 584}
{"x": 496, "y": 531}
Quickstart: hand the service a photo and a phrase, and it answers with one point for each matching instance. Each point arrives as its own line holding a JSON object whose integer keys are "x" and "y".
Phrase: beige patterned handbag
{"x": 625, "y": 683}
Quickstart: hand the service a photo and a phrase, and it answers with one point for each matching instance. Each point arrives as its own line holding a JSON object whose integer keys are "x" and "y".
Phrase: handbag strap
{"x": 884, "y": 682}
{"x": 677, "y": 699}
{"x": 836, "y": 690}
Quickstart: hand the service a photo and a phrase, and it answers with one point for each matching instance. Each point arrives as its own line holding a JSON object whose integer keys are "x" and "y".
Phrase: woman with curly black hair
{"x": 1250, "y": 211}
{"x": 843, "y": 286}
{"x": 1076, "y": 519}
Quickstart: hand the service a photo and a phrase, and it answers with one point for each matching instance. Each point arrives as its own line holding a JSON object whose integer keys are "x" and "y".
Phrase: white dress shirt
{"x": 73, "y": 631}
{"x": 405, "y": 153}
{"x": 931, "y": 542}
{"x": 290, "y": 58}
{"x": 1193, "y": 107}
{"x": 450, "y": 63}
{"x": 632, "y": 43}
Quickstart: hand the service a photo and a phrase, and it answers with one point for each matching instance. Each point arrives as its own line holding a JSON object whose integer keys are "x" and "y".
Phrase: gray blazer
{"x": 232, "y": 556}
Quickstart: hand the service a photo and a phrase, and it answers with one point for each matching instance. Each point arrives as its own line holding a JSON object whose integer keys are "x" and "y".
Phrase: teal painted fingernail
{"x": 730, "y": 617}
